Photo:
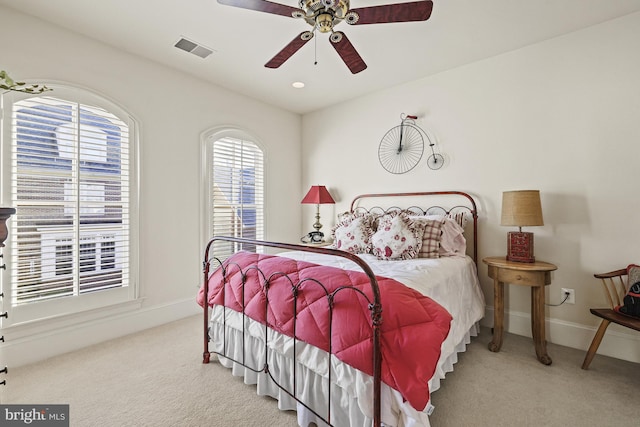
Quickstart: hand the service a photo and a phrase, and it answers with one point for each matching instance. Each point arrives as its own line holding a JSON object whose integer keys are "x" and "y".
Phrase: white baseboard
{"x": 616, "y": 342}
{"x": 38, "y": 346}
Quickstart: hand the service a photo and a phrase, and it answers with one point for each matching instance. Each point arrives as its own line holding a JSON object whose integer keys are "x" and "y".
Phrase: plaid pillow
{"x": 431, "y": 238}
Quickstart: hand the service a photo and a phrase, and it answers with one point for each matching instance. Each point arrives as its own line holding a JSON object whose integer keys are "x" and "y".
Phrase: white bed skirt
{"x": 351, "y": 390}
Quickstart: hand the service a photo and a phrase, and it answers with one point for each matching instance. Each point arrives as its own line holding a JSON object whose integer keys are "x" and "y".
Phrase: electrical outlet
{"x": 572, "y": 295}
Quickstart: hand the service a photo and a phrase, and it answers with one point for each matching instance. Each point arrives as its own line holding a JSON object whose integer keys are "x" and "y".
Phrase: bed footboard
{"x": 211, "y": 263}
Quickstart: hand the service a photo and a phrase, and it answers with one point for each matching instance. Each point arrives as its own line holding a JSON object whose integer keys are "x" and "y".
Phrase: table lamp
{"x": 521, "y": 209}
{"x": 318, "y": 195}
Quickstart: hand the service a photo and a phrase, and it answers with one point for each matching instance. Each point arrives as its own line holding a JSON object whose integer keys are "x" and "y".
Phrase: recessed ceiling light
{"x": 297, "y": 85}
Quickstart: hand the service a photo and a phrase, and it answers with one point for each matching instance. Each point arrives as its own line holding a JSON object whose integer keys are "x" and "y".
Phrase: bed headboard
{"x": 452, "y": 203}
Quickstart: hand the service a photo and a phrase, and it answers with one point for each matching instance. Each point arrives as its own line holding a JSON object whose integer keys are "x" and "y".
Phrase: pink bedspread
{"x": 413, "y": 326}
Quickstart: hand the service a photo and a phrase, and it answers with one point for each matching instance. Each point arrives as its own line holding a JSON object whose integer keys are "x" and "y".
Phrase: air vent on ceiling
{"x": 193, "y": 47}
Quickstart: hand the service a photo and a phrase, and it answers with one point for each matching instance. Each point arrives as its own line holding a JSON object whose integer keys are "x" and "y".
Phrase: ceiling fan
{"x": 324, "y": 15}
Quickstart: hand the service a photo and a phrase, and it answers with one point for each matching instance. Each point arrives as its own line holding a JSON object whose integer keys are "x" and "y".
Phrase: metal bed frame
{"x": 374, "y": 304}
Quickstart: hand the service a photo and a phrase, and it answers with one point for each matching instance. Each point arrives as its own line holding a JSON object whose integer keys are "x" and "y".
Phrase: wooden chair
{"x": 615, "y": 288}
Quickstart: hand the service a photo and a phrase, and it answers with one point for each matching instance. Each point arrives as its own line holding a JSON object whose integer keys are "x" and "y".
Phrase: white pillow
{"x": 398, "y": 237}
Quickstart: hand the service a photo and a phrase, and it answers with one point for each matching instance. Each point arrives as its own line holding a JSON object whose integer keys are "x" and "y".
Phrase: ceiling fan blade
{"x": 401, "y": 12}
{"x": 288, "y": 51}
{"x": 263, "y": 6}
{"x": 347, "y": 52}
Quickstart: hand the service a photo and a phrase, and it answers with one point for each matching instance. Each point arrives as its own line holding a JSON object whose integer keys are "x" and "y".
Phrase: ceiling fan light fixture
{"x": 324, "y": 22}
{"x": 314, "y": 9}
{"x": 297, "y": 85}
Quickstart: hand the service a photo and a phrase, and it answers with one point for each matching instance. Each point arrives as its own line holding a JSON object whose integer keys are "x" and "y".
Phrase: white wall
{"x": 561, "y": 116}
{"x": 172, "y": 110}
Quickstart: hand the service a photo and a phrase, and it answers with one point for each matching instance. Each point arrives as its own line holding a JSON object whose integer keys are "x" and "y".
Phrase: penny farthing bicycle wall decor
{"x": 402, "y": 147}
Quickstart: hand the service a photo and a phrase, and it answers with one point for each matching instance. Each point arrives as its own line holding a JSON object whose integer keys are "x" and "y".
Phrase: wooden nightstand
{"x": 537, "y": 275}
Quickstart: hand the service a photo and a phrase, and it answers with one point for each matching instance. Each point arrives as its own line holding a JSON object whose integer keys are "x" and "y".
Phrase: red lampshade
{"x": 318, "y": 195}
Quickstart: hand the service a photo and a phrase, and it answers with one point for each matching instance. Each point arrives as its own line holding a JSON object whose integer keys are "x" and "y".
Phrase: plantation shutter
{"x": 70, "y": 184}
{"x": 237, "y": 193}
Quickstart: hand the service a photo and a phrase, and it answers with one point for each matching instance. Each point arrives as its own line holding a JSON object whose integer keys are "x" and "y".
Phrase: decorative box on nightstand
{"x": 520, "y": 246}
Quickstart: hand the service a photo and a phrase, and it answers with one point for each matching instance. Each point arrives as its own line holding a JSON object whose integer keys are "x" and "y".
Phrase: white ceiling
{"x": 458, "y": 32}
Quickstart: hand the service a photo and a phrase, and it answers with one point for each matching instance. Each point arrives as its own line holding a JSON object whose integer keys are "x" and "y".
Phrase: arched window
{"x": 71, "y": 182}
{"x": 234, "y": 189}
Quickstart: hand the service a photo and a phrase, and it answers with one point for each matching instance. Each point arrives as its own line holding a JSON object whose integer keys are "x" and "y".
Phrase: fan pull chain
{"x": 315, "y": 51}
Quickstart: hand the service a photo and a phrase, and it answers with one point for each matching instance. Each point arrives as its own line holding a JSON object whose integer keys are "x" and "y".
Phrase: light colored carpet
{"x": 153, "y": 378}
{"x": 156, "y": 378}
{"x": 511, "y": 388}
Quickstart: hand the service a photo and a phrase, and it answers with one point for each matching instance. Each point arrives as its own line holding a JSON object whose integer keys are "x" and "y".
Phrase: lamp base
{"x": 520, "y": 246}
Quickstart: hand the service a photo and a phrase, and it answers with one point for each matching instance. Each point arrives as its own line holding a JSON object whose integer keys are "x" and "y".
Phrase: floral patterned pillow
{"x": 398, "y": 237}
{"x": 353, "y": 234}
